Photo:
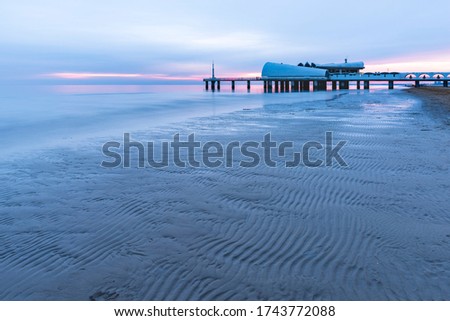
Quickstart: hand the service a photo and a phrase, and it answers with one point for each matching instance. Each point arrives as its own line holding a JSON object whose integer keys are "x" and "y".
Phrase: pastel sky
{"x": 145, "y": 41}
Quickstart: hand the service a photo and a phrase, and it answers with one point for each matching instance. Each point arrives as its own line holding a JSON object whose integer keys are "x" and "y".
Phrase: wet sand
{"x": 436, "y": 100}
{"x": 378, "y": 229}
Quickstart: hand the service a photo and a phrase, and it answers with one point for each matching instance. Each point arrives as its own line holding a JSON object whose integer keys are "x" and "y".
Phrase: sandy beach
{"x": 377, "y": 229}
{"x": 436, "y": 99}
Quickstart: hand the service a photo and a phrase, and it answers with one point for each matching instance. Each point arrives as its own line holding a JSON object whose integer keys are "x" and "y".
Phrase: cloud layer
{"x": 177, "y": 40}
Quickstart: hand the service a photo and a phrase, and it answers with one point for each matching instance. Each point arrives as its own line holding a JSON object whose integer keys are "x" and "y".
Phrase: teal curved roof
{"x": 274, "y": 70}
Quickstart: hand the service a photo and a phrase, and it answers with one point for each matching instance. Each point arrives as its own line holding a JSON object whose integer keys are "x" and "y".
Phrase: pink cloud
{"x": 93, "y": 75}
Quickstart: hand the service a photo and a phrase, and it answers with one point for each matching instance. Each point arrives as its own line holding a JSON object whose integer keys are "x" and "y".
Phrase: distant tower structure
{"x": 345, "y": 60}
{"x": 213, "y": 70}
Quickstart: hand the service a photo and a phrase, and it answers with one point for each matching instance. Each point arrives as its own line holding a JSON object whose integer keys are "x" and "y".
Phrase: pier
{"x": 336, "y": 81}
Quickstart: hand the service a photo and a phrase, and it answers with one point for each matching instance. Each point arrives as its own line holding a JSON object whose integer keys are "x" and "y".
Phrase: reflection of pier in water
{"x": 296, "y": 84}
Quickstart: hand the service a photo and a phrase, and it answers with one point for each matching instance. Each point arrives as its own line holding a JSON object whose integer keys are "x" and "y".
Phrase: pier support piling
{"x": 335, "y": 82}
{"x": 319, "y": 85}
{"x": 305, "y": 85}
{"x": 322, "y": 85}
{"x": 343, "y": 84}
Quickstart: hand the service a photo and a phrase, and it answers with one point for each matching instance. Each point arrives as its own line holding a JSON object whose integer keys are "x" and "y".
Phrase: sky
{"x": 136, "y": 41}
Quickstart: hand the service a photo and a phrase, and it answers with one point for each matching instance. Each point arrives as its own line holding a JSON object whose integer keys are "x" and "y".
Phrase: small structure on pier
{"x": 342, "y": 68}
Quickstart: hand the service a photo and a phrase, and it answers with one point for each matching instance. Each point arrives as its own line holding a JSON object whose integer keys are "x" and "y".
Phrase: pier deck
{"x": 338, "y": 81}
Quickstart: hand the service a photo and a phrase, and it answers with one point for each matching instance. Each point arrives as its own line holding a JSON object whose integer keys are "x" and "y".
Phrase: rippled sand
{"x": 378, "y": 229}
